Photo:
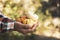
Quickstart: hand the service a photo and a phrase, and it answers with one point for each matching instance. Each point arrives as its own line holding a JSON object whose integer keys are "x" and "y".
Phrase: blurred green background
{"x": 47, "y": 11}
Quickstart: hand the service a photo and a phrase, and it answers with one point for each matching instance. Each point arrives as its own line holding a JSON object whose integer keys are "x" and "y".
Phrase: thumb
{"x": 34, "y": 26}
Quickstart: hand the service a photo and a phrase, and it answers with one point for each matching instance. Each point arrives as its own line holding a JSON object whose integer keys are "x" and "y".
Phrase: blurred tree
{"x": 54, "y": 8}
{"x": 52, "y": 5}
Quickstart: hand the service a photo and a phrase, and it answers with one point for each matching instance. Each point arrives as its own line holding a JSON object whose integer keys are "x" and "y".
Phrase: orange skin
{"x": 21, "y": 19}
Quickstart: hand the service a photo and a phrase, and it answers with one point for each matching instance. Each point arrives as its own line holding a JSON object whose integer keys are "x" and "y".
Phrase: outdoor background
{"x": 48, "y": 12}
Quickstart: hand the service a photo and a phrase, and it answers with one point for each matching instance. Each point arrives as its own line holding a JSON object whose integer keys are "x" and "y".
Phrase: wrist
{"x": 15, "y": 26}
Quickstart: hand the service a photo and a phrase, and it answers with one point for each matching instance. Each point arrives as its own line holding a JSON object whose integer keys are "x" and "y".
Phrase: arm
{"x": 20, "y": 28}
{"x": 8, "y": 24}
{"x": 17, "y": 26}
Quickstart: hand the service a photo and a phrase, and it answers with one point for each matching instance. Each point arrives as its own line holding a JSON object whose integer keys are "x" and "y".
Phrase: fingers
{"x": 25, "y": 26}
{"x": 35, "y": 25}
{"x": 25, "y": 31}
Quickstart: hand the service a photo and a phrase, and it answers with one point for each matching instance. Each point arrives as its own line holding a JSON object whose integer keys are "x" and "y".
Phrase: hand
{"x": 24, "y": 28}
{"x": 35, "y": 25}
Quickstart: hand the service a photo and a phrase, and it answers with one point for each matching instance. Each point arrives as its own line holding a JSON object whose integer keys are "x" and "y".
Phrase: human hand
{"x": 25, "y": 28}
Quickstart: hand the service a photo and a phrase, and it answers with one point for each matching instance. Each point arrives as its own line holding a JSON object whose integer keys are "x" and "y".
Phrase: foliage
{"x": 17, "y": 8}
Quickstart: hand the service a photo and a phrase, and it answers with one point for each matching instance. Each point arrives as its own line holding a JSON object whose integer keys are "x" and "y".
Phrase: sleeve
{"x": 10, "y": 25}
{"x": 0, "y": 26}
{"x": 6, "y": 25}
